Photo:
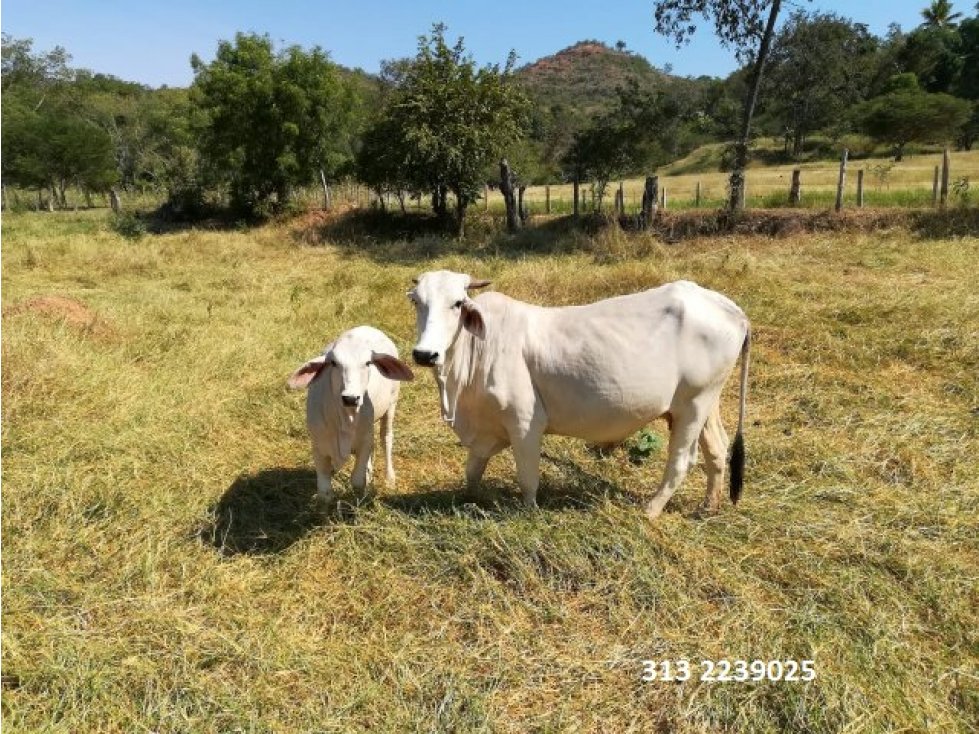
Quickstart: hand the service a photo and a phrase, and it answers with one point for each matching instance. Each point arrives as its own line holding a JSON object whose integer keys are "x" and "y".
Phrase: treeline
{"x": 258, "y": 123}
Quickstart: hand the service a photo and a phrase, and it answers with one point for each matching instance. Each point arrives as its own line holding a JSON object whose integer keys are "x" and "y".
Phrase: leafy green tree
{"x": 644, "y": 129}
{"x": 905, "y": 113}
{"x": 269, "y": 121}
{"x": 967, "y": 84}
{"x": 821, "y": 64}
{"x": 934, "y": 55}
{"x": 600, "y": 153}
{"x": 748, "y": 27}
{"x": 447, "y": 121}
{"x": 49, "y": 139}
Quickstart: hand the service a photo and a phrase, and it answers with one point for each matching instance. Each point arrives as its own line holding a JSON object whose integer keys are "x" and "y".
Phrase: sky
{"x": 151, "y": 42}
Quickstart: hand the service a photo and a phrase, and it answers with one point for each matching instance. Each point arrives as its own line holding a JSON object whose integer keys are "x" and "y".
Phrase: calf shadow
{"x": 267, "y": 512}
{"x": 263, "y": 513}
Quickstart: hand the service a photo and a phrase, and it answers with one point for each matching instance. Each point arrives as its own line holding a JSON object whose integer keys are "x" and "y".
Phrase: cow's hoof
{"x": 705, "y": 511}
{"x": 653, "y": 512}
{"x": 325, "y": 501}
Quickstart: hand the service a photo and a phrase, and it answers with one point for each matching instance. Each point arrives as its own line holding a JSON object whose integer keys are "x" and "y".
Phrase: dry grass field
{"x": 165, "y": 568}
{"x": 908, "y": 183}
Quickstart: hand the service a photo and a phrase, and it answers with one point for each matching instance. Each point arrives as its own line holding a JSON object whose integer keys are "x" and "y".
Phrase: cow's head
{"x": 346, "y": 363}
{"x": 442, "y": 307}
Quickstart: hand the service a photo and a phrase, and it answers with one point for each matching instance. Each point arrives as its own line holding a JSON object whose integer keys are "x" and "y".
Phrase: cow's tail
{"x": 737, "y": 450}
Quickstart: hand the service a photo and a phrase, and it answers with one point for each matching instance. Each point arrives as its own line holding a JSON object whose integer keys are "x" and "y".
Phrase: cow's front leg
{"x": 361, "y": 475}
{"x": 475, "y": 468}
{"x": 324, "y": 477}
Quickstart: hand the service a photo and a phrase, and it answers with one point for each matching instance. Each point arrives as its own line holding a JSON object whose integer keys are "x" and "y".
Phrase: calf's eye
{"x": 457, "y": 304}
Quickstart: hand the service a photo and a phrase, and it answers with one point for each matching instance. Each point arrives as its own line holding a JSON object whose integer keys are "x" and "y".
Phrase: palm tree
{"x": 939, "y": 15}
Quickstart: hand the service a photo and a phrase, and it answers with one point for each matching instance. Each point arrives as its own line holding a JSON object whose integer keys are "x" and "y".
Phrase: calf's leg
{"x": 361, "y": 474}
{"x": 387, "y": 432}
{"x": 324, "y": 476}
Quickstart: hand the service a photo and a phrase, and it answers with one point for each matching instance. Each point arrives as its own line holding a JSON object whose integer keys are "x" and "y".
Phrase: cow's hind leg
{"x": 685, "y": 429}
{"x": 714, "y": 442}
{"x": 525, "y": 438}
{"x": 526, "y": 454}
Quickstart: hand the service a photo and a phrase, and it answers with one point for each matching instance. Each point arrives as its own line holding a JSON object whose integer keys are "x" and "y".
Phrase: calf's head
{"x": 442, "y": 307}
{"x": 346, "y": 364}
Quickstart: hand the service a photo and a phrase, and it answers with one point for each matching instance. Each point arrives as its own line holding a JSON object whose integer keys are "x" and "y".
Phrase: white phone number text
{"x": 728, "y": 671}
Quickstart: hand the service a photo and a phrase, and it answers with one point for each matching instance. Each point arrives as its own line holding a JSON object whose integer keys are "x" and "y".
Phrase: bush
{"x": 129, "y": 225}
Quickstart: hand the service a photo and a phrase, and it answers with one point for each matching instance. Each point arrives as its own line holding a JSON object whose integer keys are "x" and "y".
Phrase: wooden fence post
{"x": 663, "y": 198}
{"x": 326, "y": 191}
{"x": 795, "y": 190}
{"x": 485, "y": 198}
{"x": 649, "y": 200}
{"x": 114, "y": 201}
{"x": 944, "y": 192}
{"x": 860, "y": 189}
{"x": 621, "y": 198}
{"x": 574, "y": 191}
{"x": 842, "y": 180}
{"x": 547, "y": 199}
{"x": 696, "y": 202}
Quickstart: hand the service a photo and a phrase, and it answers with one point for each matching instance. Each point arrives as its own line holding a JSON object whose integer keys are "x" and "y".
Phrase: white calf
{"x": 350, "y": 386}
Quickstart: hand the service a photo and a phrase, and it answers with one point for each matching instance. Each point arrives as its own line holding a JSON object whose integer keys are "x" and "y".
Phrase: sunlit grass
{"x": 164, "y": 568}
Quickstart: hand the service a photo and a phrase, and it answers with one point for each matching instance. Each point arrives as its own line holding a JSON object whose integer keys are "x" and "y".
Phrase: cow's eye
{"x": 368, "y": 364}
{"x": 457, "y": 304}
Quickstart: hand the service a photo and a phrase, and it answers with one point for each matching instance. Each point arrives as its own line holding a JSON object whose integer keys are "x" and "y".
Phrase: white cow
{"x": 354, "y": 383}
{"x": 510, "y": 372}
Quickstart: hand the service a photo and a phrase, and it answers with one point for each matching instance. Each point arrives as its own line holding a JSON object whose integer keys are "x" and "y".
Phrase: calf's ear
{"x": 392, "y": 367}
{"x": 474, "y": 284}
{"x": 472, "y": 319}
{"x": 307, "y": 373}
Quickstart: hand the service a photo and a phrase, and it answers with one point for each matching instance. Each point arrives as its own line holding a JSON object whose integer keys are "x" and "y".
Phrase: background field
{"x": 164, "y": 568}
{"x": 886, "y": 183}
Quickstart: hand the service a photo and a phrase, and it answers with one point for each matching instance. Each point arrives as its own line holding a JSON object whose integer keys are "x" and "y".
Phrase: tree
{"x": 934, "y": 54}
{"x": 599, "y": 152}
{"x": 820, "y": 65}
{"x": 447, "y": 122}
{"x": 905, "y": 113}
{"x": 939, "y": 15}
{"x": 269, "y": 121}
{"x": 49, "y": 139}
{"x": 747, "y": 26}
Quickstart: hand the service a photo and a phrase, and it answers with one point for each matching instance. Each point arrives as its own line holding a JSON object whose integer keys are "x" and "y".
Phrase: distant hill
{"x": 583, "y": 77}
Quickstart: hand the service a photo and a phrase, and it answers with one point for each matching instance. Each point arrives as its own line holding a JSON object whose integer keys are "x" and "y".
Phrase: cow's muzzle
{"x": 351, "y": 401}
{"x": 424, "y": 358}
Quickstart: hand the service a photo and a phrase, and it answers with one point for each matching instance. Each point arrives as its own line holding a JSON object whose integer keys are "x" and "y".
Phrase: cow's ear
{"x": 472, "y": 318}
{"x": 307, "y": 373}
{"x": 392, "y": 367}
{"x": 474, "y": 284}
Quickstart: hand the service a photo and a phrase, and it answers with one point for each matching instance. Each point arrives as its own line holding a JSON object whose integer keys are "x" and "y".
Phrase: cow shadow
{"x": 266, "y": 512}
{"x": 565, "y": 486}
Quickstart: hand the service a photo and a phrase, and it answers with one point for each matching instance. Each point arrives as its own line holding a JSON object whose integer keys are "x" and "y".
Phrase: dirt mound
{"x": 61, "y": 308}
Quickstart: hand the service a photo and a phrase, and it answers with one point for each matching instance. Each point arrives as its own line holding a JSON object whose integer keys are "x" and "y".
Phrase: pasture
{"x": 165, "y": 567}
{"x": 886, "y": 183}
